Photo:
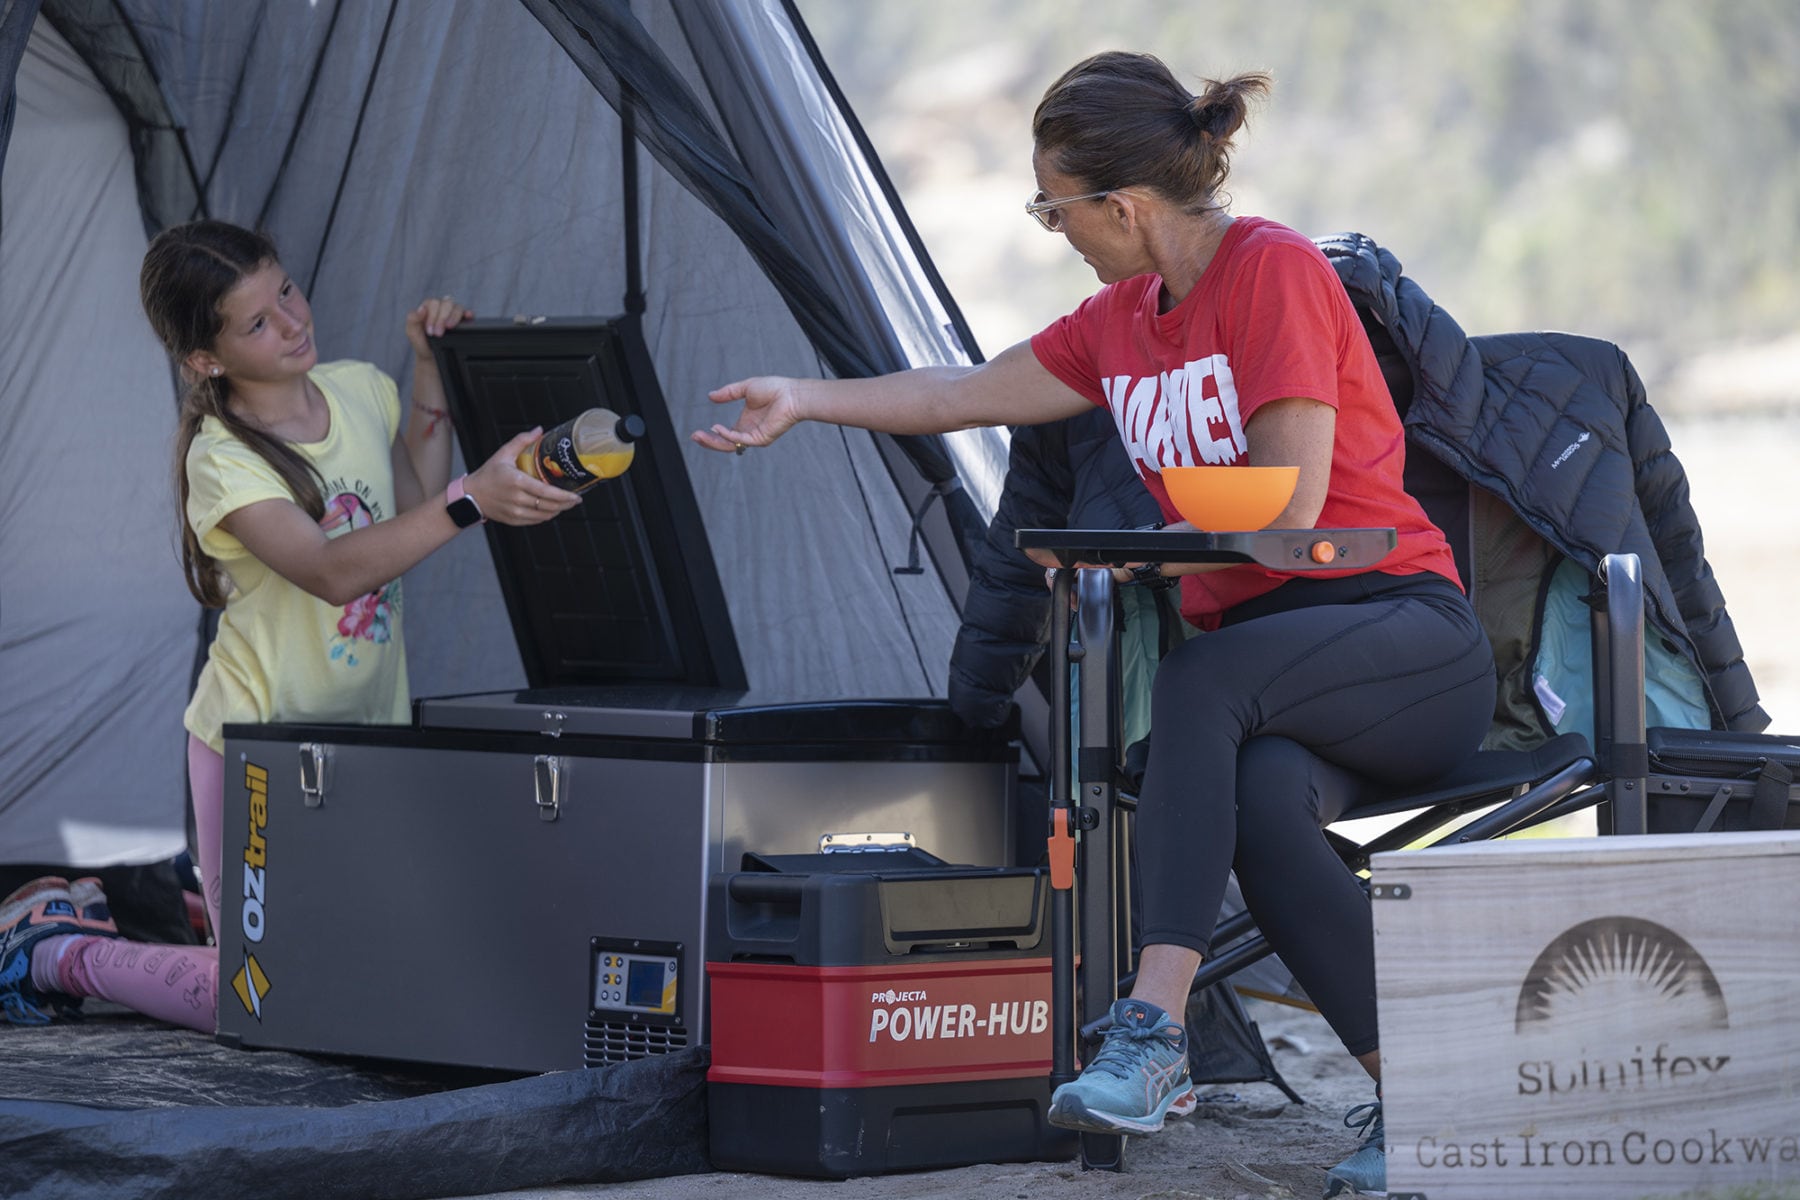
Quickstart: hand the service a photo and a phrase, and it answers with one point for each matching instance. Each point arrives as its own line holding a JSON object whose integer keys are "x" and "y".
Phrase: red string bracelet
{"x": 436, "y": 415}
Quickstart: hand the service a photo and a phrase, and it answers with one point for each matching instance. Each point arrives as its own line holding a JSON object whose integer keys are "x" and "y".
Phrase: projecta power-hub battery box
{"x": 878, "y": 1012}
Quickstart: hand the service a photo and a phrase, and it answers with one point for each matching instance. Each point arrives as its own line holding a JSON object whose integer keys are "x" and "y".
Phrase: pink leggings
{"x": 178, "y": 984}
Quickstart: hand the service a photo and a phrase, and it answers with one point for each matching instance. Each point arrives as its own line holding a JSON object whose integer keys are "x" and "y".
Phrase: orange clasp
{"x": 1062, "y": 851}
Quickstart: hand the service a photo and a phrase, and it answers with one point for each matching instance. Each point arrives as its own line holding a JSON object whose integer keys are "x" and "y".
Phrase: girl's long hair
{"x": 186, "y": 274}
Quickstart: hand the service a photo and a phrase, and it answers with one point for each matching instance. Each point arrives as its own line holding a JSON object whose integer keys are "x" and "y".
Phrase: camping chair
{"x": 1089, "y": 793}
{"x": 1517, "y": 788}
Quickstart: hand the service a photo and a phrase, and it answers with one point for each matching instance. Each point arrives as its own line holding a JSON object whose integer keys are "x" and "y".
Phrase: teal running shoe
{"x": 1139, "y": 1075}
{"x": 1364, "y": 1173}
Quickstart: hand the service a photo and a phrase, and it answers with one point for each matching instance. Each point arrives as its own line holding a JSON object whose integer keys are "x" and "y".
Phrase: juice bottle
{"x": 598, "y": 444}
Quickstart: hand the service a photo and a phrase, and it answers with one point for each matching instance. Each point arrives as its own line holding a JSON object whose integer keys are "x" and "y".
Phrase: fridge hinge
{"x": 547, "y": 776}
{"x": 315, "y": 758}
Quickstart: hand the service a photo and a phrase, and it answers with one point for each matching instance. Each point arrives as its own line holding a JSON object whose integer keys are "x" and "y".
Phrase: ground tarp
{"x": 116, "y": 1107}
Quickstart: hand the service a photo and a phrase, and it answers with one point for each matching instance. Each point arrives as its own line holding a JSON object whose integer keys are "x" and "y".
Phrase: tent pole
{"x": 628, "y": 183}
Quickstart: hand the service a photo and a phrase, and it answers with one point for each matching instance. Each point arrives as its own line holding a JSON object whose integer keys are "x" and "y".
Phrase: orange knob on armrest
{"x": 1323, "y": 551}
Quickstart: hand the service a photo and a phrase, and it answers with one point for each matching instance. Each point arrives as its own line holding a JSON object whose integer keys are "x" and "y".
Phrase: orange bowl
{"x": 1230, "y": 499}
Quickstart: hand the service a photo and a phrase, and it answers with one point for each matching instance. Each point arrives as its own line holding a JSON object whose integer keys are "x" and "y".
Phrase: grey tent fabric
{"x": 402, "y": 148}
{"x": 97, "y": 631}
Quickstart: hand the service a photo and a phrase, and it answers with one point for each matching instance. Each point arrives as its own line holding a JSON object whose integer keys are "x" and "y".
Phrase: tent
{"x": 403, "y": 148}
{"x": 690, "y": 165}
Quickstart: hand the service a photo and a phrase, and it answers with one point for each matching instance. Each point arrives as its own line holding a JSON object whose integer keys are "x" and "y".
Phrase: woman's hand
{"x": 770, "y": 409}
{"x": 431, "y": 319}
{"x": 508, "y": 495}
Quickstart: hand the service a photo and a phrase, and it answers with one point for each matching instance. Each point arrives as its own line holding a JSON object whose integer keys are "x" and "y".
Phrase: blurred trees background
{"x": 1628, "y": 169}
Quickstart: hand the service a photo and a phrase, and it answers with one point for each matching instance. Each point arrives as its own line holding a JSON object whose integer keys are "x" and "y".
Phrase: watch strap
{"x": 462, "y": 507}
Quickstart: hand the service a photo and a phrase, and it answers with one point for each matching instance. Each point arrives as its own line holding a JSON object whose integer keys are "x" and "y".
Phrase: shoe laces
{"x": 1366, "y": 1119}
{"x": 1121, "y": 1052}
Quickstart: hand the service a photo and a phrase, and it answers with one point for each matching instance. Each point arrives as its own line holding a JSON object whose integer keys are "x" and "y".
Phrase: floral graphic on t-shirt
{"x": 369, "y": 617}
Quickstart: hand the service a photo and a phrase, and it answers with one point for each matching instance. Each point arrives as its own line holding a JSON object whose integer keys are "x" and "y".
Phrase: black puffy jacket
{"x": 1069, "y": 474}
{"x": 1558, "y": 427}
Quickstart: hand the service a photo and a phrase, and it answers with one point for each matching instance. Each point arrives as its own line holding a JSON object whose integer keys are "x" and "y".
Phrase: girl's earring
{"x": 215, "y": 372}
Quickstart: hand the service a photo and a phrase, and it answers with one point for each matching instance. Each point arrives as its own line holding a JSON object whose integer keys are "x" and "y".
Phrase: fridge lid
{"x": 622, "y": 589}
{"x": 711, "y": 715}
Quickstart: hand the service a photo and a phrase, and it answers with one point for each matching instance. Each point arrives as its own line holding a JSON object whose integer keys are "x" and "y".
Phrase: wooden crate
{"x": 1604, "y": 1017}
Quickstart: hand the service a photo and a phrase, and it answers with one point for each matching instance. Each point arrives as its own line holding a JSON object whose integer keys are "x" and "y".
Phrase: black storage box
{"x": 1706, "y": 780}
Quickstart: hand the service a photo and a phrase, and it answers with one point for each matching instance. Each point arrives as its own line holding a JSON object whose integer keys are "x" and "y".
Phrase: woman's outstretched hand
{"x": 770, "y": 410}
{"x": 509, "y": 496}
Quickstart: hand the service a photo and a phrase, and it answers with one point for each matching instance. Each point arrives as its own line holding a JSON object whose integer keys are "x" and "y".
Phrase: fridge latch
{"x": 315, "y": 757}
{"x": 547, "y": 772}
{"x": 553, "y": 723}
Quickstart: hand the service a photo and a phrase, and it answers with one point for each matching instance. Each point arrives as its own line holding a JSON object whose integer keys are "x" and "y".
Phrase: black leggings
{"x": 1267, "y": 729}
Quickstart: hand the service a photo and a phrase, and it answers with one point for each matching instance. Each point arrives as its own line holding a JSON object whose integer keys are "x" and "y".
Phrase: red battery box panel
{"x": 867, "y": 1019}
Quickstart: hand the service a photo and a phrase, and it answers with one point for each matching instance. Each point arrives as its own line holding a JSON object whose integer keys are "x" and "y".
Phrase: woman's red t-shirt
{"x": 1267, "y": 320}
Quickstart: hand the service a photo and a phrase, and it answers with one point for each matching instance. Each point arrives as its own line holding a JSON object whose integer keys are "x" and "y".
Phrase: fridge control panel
{"x": 635, "y": 978}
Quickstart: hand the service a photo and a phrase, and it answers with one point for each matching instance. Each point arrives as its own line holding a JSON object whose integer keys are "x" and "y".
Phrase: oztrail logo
{"x": 251, "y": 983}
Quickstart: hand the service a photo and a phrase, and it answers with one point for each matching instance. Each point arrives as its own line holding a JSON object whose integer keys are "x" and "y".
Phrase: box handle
{"x": 766, "y": 889}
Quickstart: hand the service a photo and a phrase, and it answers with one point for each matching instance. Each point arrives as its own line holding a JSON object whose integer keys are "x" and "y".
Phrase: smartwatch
{"x": 460, "y": 505}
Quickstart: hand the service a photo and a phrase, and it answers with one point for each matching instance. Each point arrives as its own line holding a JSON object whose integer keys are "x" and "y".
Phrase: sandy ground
{"x": 1244, "y": 1141}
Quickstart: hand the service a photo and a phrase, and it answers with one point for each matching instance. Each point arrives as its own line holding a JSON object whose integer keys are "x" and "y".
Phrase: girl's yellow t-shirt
{"x": 281, "y": 654}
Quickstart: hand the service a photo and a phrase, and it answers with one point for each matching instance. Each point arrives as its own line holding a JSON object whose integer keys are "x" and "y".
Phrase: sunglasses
{"x": 1048, "y": 212}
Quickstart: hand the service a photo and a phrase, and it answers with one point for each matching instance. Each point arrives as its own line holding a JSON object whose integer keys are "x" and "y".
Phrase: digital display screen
{"x": 644, "y": 984}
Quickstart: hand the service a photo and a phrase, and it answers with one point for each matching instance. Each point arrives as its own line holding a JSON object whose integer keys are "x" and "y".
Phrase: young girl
{"x": 306, "y": 492}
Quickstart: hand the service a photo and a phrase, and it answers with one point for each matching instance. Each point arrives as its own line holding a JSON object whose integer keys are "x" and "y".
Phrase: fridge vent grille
{"x": 607, "y": 1042}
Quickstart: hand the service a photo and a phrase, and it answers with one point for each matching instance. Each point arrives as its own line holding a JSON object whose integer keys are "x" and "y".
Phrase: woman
{"x": 1226, "y": 341}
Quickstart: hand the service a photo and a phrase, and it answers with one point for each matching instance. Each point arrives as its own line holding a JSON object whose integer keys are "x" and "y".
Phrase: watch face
{"x": 464, "y": 511}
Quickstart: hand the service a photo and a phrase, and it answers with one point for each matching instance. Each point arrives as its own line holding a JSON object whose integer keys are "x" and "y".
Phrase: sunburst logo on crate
{"x": 251, "y": 983}
{"x": 1615, "y": 972}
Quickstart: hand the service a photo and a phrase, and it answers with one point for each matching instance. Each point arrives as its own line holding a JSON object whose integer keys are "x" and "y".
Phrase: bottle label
{"x": 559, "y": 464}
{"x": 581, "y": 452}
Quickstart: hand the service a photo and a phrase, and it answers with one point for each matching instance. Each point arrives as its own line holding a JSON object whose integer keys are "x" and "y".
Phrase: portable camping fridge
{"x": 1594, "y": 1017}
{"x": 519, "y": 881}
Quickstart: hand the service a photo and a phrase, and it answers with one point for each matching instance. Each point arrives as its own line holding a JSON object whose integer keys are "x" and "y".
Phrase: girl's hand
{"x": 508, "y": 495}
{"x": 430, "y": 319}
{"x": 770, "y": 409}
